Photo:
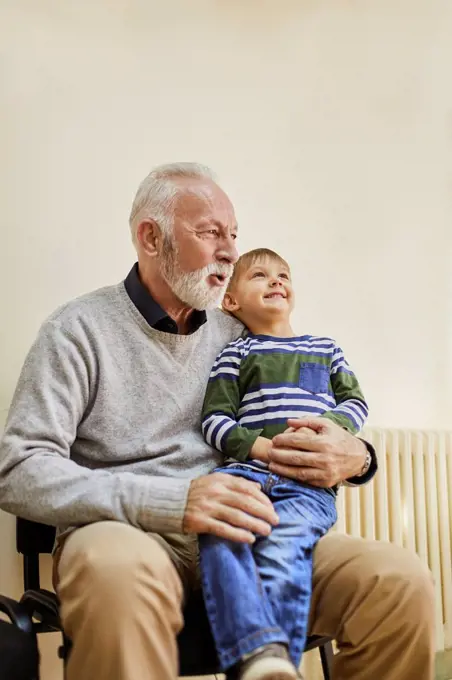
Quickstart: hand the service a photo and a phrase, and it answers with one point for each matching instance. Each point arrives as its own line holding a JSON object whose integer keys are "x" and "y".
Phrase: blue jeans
{"x": 260, "y": 593}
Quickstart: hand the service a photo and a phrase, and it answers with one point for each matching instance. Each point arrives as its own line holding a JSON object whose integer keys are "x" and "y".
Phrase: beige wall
{"x": 328, "y": 121}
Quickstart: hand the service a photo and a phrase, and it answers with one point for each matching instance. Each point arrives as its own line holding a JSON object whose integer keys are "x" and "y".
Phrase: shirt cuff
{"x": 359, "y": 481}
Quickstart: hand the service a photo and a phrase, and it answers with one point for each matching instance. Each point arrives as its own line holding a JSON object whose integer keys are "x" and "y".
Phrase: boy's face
{"x": 261, "y": 292}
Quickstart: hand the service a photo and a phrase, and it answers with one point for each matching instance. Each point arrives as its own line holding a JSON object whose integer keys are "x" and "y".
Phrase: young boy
{"x": 258, "y": 597}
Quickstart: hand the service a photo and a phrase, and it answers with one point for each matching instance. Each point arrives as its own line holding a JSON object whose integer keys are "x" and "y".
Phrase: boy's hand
{"x": 261, "y": 449}
{"x": 302, "y": 430}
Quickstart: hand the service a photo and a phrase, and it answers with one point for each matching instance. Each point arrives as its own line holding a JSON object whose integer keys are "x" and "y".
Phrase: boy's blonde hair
{"x": 249, "y": 259}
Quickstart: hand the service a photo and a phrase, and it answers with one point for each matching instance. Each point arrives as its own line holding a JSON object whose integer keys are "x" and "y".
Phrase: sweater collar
{"x": 155, "y": 315}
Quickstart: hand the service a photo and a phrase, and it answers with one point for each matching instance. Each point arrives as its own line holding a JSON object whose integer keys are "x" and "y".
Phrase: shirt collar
{"x": 155, "y": 315}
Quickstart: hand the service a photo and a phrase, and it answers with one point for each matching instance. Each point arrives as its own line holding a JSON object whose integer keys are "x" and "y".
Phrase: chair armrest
{"x": 17, "y": 613}
{"x": 44, "y": 606}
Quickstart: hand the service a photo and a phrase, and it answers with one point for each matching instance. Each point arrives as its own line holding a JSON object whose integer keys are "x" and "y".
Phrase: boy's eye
{"x": 283, "y": 275}
{"x": 257, "y": 274}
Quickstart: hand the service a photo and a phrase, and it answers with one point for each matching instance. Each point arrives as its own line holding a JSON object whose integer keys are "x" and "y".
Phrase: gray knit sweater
{"x": 105, "y": 421}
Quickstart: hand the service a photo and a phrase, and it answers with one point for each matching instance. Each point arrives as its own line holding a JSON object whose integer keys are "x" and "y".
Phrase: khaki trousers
{"x": 122, "y": 592}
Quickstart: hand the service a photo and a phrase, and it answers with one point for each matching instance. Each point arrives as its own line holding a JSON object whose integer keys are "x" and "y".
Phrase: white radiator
{"x": 409, "y": 502}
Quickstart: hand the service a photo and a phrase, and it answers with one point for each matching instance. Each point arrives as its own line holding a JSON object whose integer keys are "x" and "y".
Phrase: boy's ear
{"x": 230, "y": 304}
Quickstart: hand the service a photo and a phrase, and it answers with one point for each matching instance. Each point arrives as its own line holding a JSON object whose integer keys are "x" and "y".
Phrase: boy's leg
{"x": 284, "y": 559}
{"x": 239, "y": 614}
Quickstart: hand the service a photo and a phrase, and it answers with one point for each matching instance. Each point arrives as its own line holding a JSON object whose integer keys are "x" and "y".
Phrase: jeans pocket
{"x": 314, "y": 378}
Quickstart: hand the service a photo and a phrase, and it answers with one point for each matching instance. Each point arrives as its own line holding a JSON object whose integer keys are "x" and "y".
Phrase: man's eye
{"x": 233, "y": 236}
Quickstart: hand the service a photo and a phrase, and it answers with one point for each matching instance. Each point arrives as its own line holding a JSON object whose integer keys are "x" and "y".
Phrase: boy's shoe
{"x": 270, "y": 662}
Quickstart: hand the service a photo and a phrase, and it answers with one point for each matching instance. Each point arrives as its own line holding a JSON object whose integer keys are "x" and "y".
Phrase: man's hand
{"x": 228, "y": 506}
{"x": 325, "y": 457}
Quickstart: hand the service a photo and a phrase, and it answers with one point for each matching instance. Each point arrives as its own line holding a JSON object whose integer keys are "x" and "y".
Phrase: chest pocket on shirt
{"x": 314, "y": 378}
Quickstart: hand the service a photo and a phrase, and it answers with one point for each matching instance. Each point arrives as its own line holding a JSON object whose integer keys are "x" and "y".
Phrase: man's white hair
{"x": 157, "y": 193}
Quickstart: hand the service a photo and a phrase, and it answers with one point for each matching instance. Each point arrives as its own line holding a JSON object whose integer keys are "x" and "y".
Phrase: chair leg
{"x": 63, "y": 653}
{"x": 326, "y": 657}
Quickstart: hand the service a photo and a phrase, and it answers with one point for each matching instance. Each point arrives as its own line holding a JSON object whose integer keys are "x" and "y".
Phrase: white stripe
{"x": 205, "y": 424}
{"x": 310, "y": 340}
{"x": 296, "y": 342}
{"x": 224, "y": 428}
{"x": 340, "y": 363}
{"x": 354, "y": 417}
{"x": 222, "y": 359}
{"x": 360, "y": 407}
{"x": 224, "y": 369}
{"x": 306, "y": 341}
{"x": 236, "y": 343}
{"x": 284, "y": 413}
{"x": 262, "y": 393}
{"x": 212, "y": 424}
{"x": 265, "y": 405}
{"x": 347, "y": 410}
{"x": 299, "y": 349}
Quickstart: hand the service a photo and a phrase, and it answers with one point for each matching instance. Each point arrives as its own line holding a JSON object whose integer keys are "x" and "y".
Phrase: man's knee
{"x": 391, "y": 563}
{"x": 402, "y": 578}
{"x": 110, "y": 560}
{"x": 396, "y": 588}
{"x": 370, "y": 582}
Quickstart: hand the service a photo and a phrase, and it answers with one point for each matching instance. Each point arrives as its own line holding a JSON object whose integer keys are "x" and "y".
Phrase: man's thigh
{"x": 115, "y": 541}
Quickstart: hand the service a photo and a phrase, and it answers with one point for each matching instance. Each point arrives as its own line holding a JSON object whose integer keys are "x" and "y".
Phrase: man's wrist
{"x": 366, "y": 476}
{"x": 367, "y": 463}
{"x": 361, "y": 459}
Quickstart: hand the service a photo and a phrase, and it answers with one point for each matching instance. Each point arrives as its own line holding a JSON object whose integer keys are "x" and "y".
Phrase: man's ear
{"x": 230, "y": 304}
{"x": 149, "y": 237}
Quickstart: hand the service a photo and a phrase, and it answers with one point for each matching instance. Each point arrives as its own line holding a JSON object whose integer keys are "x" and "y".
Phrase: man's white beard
{"x": 192, "y": 288}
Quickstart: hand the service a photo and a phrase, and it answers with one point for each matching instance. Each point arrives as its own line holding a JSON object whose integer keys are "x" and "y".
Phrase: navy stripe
{"x": 284, "y": 396}
{"x": 217, "y": 428}
{"x": 268, "y": 421}
{"x": 224, "y": 376}
{"x": 280, "y": 350}
{"x": 226, "y": 364}
{"x": 225, "y": 436}
{"x": 228, "y": 352}
{"x": 357, "y": 422}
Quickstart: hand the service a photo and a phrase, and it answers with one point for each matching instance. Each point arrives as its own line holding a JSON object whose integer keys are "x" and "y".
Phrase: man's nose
{"x": 228, "y": 251}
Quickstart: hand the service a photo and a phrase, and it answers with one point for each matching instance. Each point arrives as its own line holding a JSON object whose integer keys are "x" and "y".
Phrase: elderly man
{"x": 103, "y": 440}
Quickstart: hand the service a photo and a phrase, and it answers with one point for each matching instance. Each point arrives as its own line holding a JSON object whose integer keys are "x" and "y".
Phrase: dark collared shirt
{"x": 151, "y": 310}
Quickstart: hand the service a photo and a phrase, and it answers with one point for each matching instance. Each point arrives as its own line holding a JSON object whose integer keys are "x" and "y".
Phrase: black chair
{"x": 33, "y": 539}
{"x": 19, "y": 656}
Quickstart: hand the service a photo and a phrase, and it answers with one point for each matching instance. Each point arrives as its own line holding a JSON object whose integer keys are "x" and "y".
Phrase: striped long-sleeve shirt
{"x": 260, "y": 381}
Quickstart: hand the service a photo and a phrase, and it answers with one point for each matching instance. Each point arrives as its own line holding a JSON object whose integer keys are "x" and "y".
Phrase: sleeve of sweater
{"x": 221, "y": 407}
{"x": 38, "y": 479}
{"x": 351, "y": 410}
